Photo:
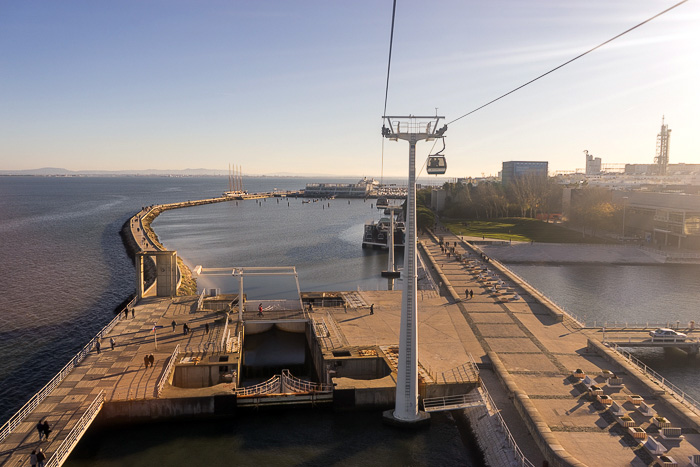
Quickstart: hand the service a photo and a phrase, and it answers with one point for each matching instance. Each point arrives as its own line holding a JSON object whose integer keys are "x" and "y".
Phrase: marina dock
{"x": 566, "y": 397}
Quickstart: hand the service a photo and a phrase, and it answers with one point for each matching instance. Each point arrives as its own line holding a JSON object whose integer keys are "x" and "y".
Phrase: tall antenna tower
{"x": 663, "y": 140}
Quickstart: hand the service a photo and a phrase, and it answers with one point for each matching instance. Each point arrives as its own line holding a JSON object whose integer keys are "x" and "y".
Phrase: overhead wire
{"x": 386, "y": 92}
{"x": 566, "y": 63}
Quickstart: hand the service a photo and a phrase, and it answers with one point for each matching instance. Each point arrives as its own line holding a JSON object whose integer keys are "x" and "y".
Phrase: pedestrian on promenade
{"x": 151, "y": 360}
{"x": 206, "y": 328}
{"x": 260, "y": 310}
{"x": 47, "y": 429}
{"x": 40, "y": 429}
{"x": 112, "y": 342}
{"x": 40, "y": 458}
{"x": 467, "y": 293}
{"x": 97, "y": 345}
{"x": 174, "y": 324}
{"x": 371, "y": 309}
{"x": 32, "y": 458}
{"x": 145, "y": 361}
{"x": 126, "y": 313}
{"x": 471, "y": 294}
{"x": 132, "y": 312}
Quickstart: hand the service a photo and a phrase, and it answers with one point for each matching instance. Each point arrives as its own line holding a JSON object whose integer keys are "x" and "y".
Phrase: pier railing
{"x": 493, "y": 408}
{"x": 77, "y": 432}
{"x": 671, "y": 388}
{"x": 37, "y": 398}
{"x": 291, "y": 383}
{"x": 271, "y": 386}
{"x": 166, "y": 372}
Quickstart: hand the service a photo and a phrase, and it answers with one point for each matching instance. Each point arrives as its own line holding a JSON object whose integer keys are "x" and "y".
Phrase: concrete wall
{"x": 196, "y": 376}
{"x": 360, "y": 367}
{"x": 153, "y": 409}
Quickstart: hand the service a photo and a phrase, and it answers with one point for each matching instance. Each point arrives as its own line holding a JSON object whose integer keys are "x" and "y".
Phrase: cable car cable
{"x": 388, "y": 69}
{"x": 566, "y": 63}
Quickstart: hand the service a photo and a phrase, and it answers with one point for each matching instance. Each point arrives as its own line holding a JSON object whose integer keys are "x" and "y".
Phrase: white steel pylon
{"x": 411, "y": 129}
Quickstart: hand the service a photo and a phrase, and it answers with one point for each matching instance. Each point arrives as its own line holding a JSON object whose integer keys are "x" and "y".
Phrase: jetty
{"x": 537, "y": 385}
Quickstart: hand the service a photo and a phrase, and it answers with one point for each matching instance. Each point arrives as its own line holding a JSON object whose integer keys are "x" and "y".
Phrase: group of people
{"x": 469, "y": 293}
{"x": 44, "y": 429}
{"x": 37, "y": 459}
{"x": 148, "y": 360}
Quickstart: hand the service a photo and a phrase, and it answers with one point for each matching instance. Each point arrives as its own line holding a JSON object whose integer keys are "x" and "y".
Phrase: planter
{"x": 661, "y": 422}
{"x": 635, "y": 399}
{"x": 605, "y": 399}
{"x": 637, "y": 432}
{"x": 627, "y": 421}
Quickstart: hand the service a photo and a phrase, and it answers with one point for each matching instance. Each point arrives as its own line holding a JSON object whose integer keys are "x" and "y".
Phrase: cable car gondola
{"x": 437, "y": 165}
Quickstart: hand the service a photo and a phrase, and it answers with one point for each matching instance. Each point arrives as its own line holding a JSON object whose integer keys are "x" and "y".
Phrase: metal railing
{"x": 200, "y": 301}
{"x": 37, "y": 398}
{"x": 493, "y": 408}
{"x": 639, "y": 325}
{"x": 77, "y": 432}
{"x": 166, "y": 372}
{"x": 655, "y": 377}
{"x": 435, "y": 404}
{"x": 271, "y": 386}
{"x": 291, "y": 383}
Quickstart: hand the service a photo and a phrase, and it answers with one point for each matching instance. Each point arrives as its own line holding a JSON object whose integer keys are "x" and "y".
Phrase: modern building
{"x": 514, "y": 169}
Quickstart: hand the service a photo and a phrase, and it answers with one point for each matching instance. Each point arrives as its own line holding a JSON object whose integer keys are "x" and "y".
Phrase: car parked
{"x": 664, "y": 334}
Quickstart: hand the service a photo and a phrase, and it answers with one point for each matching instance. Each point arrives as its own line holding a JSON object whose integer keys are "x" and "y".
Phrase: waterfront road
{"x": 535, "y": 354}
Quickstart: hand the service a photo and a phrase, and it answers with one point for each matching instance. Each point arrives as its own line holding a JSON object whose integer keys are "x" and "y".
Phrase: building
{"x": 593, "y": 165}
{"x": 514, "y": 169}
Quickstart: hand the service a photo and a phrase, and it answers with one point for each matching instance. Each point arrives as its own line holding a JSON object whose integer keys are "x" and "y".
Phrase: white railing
{"x": 655, "y": 377}
{"x": 467, "y": 372}
{"x": 435, "y": 404}
{"x": 293, "y": 384}
{"x": 166, "y": 372}
{"x": 271, "y": 386}
{"x": 200, "y": 301}
{"x": 37, "y": 398}
{"x": 77, "y": 432}
{"x": 493, "y": 408}
{"x": 225, "y": 335}
{"x": 639, "y": 325}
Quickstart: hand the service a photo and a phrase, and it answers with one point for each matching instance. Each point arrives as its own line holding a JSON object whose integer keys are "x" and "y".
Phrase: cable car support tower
{"x": 411, "y": 129}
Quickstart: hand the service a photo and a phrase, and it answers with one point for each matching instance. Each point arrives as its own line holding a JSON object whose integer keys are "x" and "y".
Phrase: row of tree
{"x": 529, "y": 196}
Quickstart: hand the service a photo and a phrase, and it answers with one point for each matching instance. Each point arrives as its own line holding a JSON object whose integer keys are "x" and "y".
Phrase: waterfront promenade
{"x": 534, "y": 350}
{"x": 118, "y": 375}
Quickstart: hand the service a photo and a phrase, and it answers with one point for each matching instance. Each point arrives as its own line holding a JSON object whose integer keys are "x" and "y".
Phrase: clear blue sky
{"x": 298, "y": 86}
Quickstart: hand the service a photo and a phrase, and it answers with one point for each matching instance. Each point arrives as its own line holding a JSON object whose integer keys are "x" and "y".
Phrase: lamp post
{"x": 624, "y": 210}
{"x": 411, "y": 129}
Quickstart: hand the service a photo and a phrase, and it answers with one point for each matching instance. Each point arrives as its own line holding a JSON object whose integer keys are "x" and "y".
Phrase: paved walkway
{"x": 539, "y": 355}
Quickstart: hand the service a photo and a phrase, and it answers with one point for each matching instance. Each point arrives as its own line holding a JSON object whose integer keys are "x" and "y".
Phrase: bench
{"x": 588, "y": 381}
{"x": 645, "y": 410}
{"x": 615, "y": 382}
{"x": 616, "y": 410}
{"x": 672, "y": 433}
{"x": 654, "y": 447}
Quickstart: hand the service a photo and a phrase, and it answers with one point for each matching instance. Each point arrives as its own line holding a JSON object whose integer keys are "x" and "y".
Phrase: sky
{"x": 297, "y": 87}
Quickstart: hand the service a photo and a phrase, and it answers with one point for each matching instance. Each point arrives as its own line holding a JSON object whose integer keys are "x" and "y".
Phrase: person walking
{"x": 40, "y": 429}
{"x": 132, "y": 312}
{"x": 47, "y": 429}
{"x": 173, "y": 325}
{"x": 145, "y": 361}
{"x": 40, "y": 458}
{"x": 32, "y": 458}
{"x": 471, "y": 294}
{"x": 260, "y": 310}
{"x": 97, "y": 345}
{"x": 206, "y": 328}
{"x": 467, "y": 293}
{"x": 151, "y": 360}
{"x": 371, "y": 309}
{"x": 112, "y": 342}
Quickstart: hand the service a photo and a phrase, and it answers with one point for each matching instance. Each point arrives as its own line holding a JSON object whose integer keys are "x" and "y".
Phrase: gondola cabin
{"x": 437, "y": 165}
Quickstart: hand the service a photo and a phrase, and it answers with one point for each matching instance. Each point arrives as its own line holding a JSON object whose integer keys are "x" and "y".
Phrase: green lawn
{"x": 518, "y": 229}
